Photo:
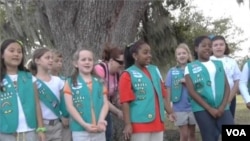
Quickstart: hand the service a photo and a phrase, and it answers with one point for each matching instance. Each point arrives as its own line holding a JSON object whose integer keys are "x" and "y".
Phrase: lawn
{"x": 241, "y": 117}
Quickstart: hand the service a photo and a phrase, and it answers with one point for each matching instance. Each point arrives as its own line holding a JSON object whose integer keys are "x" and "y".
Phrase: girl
{"x": 86, "y": 100}
{"x": 221, "y": 52}
{"x": 109, "y": 70}
{"x": 56, "y": 71}
{"x": 244, "y": 83}
{"x": 209, "y": 90}
{"x": 49, "y": 88}
{"x": 20, "y": 109}
{"x": 175, "y": 84}
{"x": 143, "y": 95}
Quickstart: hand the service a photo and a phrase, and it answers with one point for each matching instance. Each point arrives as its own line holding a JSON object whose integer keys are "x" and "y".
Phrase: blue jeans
{"x": 233, "y": 106}
{"x": 109, "y": 127}
{"x": 210, "y": 128}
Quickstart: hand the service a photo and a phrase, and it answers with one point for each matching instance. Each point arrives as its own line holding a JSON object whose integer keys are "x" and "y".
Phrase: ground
{"x": 241, "y": 117}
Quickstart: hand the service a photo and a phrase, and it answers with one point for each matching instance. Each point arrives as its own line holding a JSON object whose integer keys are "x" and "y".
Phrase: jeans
{"x": 233, "y": 106}
{"x": 109, "y": 127}
{"x": 210, "y": 127}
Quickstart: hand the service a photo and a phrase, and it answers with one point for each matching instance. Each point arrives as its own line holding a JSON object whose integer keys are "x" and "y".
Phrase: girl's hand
{"x": 41, "y": 136}
{"x": 172, "y": 117}
{"x": 119, "y": 114}
{"x": 102, "y": 126}
{"x": 213, "y": 112}
{"x": 248, "y": 105}
{"x": 127, "y": 131}
{"x": 182, "y": 80}
{"x": 65, "y": 122}
{"x": 91, "y": 128}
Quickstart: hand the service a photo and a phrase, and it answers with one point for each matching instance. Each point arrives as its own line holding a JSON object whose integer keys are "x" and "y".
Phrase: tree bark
{"x": 91, "y": 23}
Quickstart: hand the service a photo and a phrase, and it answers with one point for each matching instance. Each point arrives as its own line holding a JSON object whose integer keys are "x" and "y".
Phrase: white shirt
{"x": 22, "y": 123}
{"x": 231, "y": 68}
{"x": 243, "y": 83}
{"x": 211, "y": 71}
{"x": 56, "y": 85}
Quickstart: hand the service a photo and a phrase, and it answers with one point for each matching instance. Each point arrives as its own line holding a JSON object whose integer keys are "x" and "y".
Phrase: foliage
{"x": 191, "y": 23}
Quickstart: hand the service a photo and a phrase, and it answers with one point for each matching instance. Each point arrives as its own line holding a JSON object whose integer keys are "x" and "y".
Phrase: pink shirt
{"x": 113, "y": 84}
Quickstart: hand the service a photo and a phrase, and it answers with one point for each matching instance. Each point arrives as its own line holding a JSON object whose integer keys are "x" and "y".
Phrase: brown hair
{"x": 38, "y": 53}
{"x": 76, "y": 70}
{"x": 111, "y": 52}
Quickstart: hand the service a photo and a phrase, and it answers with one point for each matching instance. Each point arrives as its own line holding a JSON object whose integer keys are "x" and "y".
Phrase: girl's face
{"x": 204, "y": 50}
{"x": 12, "y": 55}
{"x": 218, "y": 47}
{"x": 45, "y": 61}
{"x": 117, "y": 63}
{"x": 143, "y": 56}
{"x": 181, "y": 56}
{"x": 85, "y": 62}
{"x": 57, "y": 63}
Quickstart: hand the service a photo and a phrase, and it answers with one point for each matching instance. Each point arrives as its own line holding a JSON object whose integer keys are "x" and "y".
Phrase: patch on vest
{"x": 196, "y": 69}
{"x": 78, "y": 86}
{"x": 136, "y": 74}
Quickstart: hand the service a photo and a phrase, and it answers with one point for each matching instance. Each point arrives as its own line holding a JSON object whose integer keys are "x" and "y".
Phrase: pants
{"x": 210, "y": 128}
{"x": 25, "y": 136}
{"x": 109, "y": 127}
{"x": 66, "y": 134}
{"x": 86, "y": 136}
{"x": 53, "y": 131}
{"x": 151, "y": 136}
{"x": 233, "y": 106}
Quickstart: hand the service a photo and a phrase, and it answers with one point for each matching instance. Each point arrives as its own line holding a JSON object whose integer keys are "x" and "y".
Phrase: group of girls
{"x": 39, "y": 103}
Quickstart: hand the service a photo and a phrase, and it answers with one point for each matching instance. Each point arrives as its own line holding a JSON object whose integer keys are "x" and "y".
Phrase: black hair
{"x": 129, "y": 50}
{"x": 21, "y": 66}
{"x": 197, "y": 41}
{"x": 219, "y": 37}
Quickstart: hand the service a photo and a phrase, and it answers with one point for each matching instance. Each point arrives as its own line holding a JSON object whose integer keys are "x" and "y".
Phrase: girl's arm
{"x": 72, "y": 110}
{"x": 226, "y": 95}
{"x": 115, "y": 110}
{"x": 234, "y": 91}
{"x": 194, "y": 94}
{"x": 126, "y": 116}
{"x": 105, "y": 109}
{"x": 39, "y": 116}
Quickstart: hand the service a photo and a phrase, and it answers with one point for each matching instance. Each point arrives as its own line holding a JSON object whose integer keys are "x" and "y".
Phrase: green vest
{"x": 202, "y": 84}
{"x": 48, "y": 98}
{"x": 83, "y": 100}
{"x": 62, "y": 105}
{"x": 176, "y": 85}
{"x": 9, "y": 106}
{"x": 142, "y": 109}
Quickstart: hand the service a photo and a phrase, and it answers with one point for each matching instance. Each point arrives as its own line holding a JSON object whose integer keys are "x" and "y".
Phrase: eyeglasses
{"x": 118, "y": 61}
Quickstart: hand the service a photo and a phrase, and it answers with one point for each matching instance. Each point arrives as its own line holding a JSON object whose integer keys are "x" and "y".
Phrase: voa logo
{"x": 236, "y": 132}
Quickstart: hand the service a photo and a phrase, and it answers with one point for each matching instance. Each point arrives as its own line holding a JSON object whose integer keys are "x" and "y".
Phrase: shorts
{"x": 184, "y": 118}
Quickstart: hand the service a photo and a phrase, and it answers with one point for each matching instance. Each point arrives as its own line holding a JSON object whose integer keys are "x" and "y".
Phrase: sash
{"x": 48, "y": 97}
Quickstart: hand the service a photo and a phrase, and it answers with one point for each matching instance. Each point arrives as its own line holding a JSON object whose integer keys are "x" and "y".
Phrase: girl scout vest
{"x": 48, "y": 98}
{"x": 176, "y": 86}
{"x": 83, "y": 100}
{"x": 9, "y": 106}
{"x": 202, "y": 84}
{"x": 62, "y": 106}
{"x": 143, "y": 107}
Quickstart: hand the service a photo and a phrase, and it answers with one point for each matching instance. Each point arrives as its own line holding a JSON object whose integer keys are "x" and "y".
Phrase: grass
{"x": 241, "y": 117}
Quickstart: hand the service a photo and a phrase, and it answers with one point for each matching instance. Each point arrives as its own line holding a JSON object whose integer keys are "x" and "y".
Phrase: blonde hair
{"x": 185, "y": 47}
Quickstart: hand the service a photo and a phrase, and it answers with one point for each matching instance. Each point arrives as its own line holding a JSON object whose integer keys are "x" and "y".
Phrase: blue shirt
{"x": 184, "y": 104}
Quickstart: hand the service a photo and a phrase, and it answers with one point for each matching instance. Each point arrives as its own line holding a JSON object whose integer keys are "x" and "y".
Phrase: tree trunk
{"x": 91, "y": 23}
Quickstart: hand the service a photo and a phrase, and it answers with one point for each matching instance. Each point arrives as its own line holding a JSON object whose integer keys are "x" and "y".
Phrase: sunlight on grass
{"x": 241, "y": 117}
